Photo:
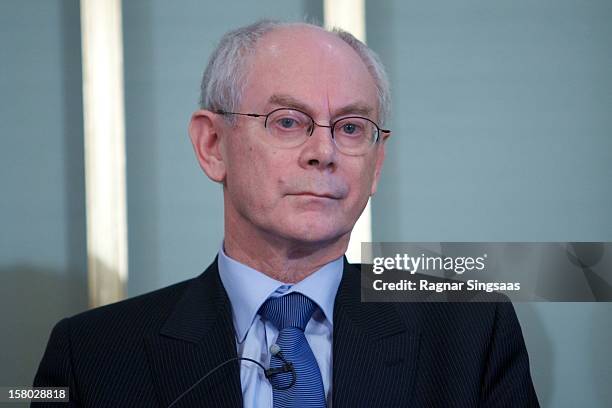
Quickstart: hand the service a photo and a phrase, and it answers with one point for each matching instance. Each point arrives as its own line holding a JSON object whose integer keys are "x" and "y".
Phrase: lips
{"x": 317, "y": 194}
{"x": 333, "y": 189}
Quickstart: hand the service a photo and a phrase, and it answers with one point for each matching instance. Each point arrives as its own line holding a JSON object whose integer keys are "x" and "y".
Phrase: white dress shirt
{"x": 247, "y": 290}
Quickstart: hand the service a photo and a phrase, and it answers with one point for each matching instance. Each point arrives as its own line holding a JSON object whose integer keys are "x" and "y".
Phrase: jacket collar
{"x": 197, "y": 336}
{"x": 374, "y": 351}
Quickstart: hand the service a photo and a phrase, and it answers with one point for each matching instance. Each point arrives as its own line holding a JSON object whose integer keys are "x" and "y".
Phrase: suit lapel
{"x": 374, "y": 353}
{"x": 197, "y": 336}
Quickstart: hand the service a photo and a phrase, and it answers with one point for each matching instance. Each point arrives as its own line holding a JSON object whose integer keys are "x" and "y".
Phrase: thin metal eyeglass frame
{"x": 331, "y": 126}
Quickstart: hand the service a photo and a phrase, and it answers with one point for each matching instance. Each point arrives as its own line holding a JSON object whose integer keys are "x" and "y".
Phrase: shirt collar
{"x": 247, "y": 289}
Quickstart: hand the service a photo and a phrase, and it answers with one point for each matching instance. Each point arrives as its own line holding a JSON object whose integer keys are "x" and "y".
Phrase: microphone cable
{"x": 275, "y": 350}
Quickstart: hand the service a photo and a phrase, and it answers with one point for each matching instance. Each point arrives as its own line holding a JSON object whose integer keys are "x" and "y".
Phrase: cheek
{"x": 242, "y": 170}
{"x": 362, "y": 176}
{"x": 252, "y": 177}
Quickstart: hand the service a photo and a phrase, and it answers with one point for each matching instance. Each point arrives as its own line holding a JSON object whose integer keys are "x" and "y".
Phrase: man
{"x": 291, "y": 126}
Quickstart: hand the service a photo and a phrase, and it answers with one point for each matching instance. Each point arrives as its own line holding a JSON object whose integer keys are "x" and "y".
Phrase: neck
{"x": 288, "y": 261}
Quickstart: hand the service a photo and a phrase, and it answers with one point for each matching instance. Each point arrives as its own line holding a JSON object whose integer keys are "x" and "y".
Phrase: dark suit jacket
{"x": 147, "y": 350}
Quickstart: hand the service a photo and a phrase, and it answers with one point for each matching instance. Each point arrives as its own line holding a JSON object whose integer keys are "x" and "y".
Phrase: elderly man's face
{"x": 311, "y": 193}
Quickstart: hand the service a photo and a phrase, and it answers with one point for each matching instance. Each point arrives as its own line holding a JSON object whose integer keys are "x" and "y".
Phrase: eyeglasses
{"x": 288, "y": 128}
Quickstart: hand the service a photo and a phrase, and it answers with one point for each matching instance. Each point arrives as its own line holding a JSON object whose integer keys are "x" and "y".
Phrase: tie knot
{"x": 292, "y": 310}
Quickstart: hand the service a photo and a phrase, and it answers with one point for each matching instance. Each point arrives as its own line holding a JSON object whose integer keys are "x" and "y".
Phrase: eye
{"x": 287, "y": 123}
{"x": 287, "y": 120}
{"x": 352, "y": 127}
{"x": 349, "y": 128}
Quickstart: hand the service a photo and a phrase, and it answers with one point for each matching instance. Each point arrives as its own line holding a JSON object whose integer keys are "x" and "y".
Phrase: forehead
{"x": 310, "y": 65}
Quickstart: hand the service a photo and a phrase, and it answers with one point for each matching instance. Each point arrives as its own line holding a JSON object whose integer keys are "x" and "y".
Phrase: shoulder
{"x": 117, "y": 325}
{"x": 143, "y": 311}
{"x": 96, "y": 339}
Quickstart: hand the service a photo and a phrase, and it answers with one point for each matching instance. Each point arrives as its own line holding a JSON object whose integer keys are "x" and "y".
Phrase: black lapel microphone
{"x": 275, "y": 350}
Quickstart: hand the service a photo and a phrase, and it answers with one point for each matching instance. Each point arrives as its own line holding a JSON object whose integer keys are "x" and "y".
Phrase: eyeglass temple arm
{"x": 253, "y": 115}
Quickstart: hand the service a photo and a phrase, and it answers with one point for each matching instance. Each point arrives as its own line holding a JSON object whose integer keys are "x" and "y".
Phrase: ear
{"x": 204, "y": 133}
{"x": 380, "y": 159}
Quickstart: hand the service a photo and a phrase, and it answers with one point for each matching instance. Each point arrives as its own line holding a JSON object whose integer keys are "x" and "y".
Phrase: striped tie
{"x": 290, "y": 314}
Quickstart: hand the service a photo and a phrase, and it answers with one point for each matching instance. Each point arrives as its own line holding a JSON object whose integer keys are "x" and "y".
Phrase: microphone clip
{"x": 287, "y": 367}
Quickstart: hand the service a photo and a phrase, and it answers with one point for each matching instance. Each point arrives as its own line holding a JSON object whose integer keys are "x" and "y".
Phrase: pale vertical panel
{"x": 103, "y": 110}
{"x": 349, "y": 15}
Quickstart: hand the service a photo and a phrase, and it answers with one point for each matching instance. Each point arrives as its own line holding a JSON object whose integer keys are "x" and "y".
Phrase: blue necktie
{"x": 290, "y": 314}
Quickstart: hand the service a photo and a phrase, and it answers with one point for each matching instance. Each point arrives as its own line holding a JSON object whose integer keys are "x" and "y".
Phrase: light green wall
{"x": 42, "y": 210}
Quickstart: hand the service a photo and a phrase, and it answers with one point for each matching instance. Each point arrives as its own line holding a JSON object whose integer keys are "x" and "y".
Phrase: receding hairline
{"x": 296, "y": 26}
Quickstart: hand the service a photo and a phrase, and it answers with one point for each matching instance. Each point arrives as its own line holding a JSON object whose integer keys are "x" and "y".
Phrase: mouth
{"x": 316, "y": 195}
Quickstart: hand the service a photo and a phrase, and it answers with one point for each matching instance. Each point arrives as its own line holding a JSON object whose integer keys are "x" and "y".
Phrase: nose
{"x": 319, "y": 151}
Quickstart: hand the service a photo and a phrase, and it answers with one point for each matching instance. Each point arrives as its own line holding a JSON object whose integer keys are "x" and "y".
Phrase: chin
{"x": 313, "y": 232}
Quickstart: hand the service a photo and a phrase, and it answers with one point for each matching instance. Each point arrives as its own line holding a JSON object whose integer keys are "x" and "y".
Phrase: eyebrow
{"x": 357, "y": 108}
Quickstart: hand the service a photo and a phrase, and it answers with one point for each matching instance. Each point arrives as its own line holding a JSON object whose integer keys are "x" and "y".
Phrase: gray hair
{"x": 224, "y": 78}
